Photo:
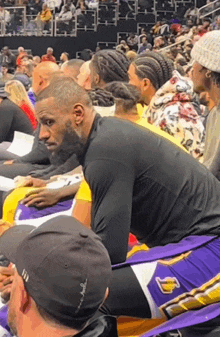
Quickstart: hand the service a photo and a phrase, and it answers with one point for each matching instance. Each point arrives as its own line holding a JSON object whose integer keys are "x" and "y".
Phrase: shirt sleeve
{"x": 6, "y": 117}
{"x": 111, "y": 184}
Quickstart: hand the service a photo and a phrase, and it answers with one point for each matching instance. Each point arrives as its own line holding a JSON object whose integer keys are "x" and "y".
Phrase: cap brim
{"x": 11, "y": 239}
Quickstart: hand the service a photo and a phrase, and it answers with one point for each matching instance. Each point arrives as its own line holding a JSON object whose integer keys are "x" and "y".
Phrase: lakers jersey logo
{"x": 168, "y": 284}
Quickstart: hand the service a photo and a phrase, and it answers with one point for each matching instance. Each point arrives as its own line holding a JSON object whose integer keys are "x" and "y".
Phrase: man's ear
{"x": 96, "y": 78}
{"x": 41, "y": 80}
{"x": 79, "y": 113}
{"x": 106, "y": 294}
{"x": 146, "y": 83}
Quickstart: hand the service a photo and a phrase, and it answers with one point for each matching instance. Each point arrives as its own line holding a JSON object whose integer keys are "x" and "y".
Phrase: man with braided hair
{"x": 107, "y": 66}
{"x": 153, "y": 69}
{"x": 170, "y": 100}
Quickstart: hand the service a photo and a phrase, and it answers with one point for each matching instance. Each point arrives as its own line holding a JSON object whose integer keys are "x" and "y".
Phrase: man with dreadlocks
{"x": 170, "y": 100}
{"x": 107, "y": 66}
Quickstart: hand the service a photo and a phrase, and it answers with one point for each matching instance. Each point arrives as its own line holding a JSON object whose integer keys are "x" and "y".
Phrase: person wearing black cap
{"x": 62, "y": 275}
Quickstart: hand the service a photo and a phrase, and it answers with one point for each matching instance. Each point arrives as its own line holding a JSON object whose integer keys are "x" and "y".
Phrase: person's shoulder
{"x": 10, "y": 104}
{"x": 10, "y": 107}
{"x": 118, "y": 130}
{"x": 114, "y": 123}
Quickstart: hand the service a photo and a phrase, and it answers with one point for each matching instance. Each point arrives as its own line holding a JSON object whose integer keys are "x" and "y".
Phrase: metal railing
{"x": 64, "y": 27}
{"x": 210, "y": 13}
{"x": 210, "y": 5}
{"x": 13, "y": 23}
{"x": 107, "y": 14}
{"x": 107, "y": 45}
{"x": 87, "y": 21}
{"x": 35, "y": 27}
{"x": 174, "y": 44}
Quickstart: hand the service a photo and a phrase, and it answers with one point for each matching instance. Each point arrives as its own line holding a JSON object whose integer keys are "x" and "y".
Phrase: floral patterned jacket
{"x": 175, "y": 111}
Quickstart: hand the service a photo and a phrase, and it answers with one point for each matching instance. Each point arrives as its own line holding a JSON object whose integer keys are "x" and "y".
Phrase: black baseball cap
{"x": 64, "y": 265}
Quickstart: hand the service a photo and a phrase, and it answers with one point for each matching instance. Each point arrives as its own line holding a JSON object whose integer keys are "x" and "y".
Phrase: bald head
{"x": 84, "y": 79}
{"x": 20, "y": 50}
{"x": 73, "y": 93}
{"x": 65, "y": 114}
{"x": 36, "y": 60}
{"x": 72, "y": 67}
{"x": 42, "y": 75}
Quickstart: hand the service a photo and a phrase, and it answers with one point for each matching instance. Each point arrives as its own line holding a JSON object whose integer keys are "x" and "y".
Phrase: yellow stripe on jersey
{"x": 208, "y": 293}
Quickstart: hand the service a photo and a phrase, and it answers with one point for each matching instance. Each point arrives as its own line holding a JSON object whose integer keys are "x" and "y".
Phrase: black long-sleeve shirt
{"x": 141, "y": 183}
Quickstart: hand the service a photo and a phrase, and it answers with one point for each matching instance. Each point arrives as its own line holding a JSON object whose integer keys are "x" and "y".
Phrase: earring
{"x": 208, "y": 74}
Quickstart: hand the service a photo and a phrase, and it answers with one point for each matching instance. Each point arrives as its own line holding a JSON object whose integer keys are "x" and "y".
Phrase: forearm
{"x": 38, "y": 155}
{"x": 69, "y": 165}
{"x": 68, "y": 191}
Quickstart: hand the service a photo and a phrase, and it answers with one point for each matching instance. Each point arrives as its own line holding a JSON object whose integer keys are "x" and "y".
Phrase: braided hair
{"x": 154, "y": 66}
{"x": 216, "y": 78}
{"x": 125, "y": 94}
{"x": 101, "y": 97}
{"x": 111, "y": 65}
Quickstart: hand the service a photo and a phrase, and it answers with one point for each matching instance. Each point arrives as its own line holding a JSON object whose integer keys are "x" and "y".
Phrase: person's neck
{"x": 88, "y": 123}
{"x": 214, "y": 94}
{"x": 39, "y": 328}
{"x": 149, "y": 95}
{"x": 130, "y": 115}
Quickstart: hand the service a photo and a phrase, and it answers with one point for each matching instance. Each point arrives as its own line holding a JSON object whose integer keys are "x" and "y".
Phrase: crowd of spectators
{"x": 40, "y": 14}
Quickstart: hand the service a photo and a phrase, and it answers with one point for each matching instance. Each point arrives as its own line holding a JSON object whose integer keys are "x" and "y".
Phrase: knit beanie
{"x": 206, "y": 51}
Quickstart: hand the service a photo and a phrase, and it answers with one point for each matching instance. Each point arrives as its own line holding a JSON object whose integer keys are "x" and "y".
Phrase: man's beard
{"x": 71, "y": 144}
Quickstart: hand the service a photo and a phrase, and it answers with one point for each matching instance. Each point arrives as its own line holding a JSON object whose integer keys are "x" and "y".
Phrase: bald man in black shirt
{"x": 139, "y": 181}
{"x": 143, "y": 184}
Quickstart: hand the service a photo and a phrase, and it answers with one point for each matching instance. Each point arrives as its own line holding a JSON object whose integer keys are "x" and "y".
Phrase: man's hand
{"x": 6, "y": 279}
{"x": 30, "y": 182}
{"x": 8, "y": 162}
{"x": 41, "y": 198}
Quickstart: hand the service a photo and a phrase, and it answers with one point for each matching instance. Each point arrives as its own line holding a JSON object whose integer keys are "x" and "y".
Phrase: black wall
{"x": 38, "y": 45}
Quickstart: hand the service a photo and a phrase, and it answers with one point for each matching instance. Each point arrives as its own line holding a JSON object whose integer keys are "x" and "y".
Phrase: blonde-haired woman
{"x": 18, "y": 95}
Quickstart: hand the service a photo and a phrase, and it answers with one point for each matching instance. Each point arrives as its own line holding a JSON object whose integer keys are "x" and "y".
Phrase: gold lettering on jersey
{"x": 168, "y": 284}
{"x": 208, "y": 293}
